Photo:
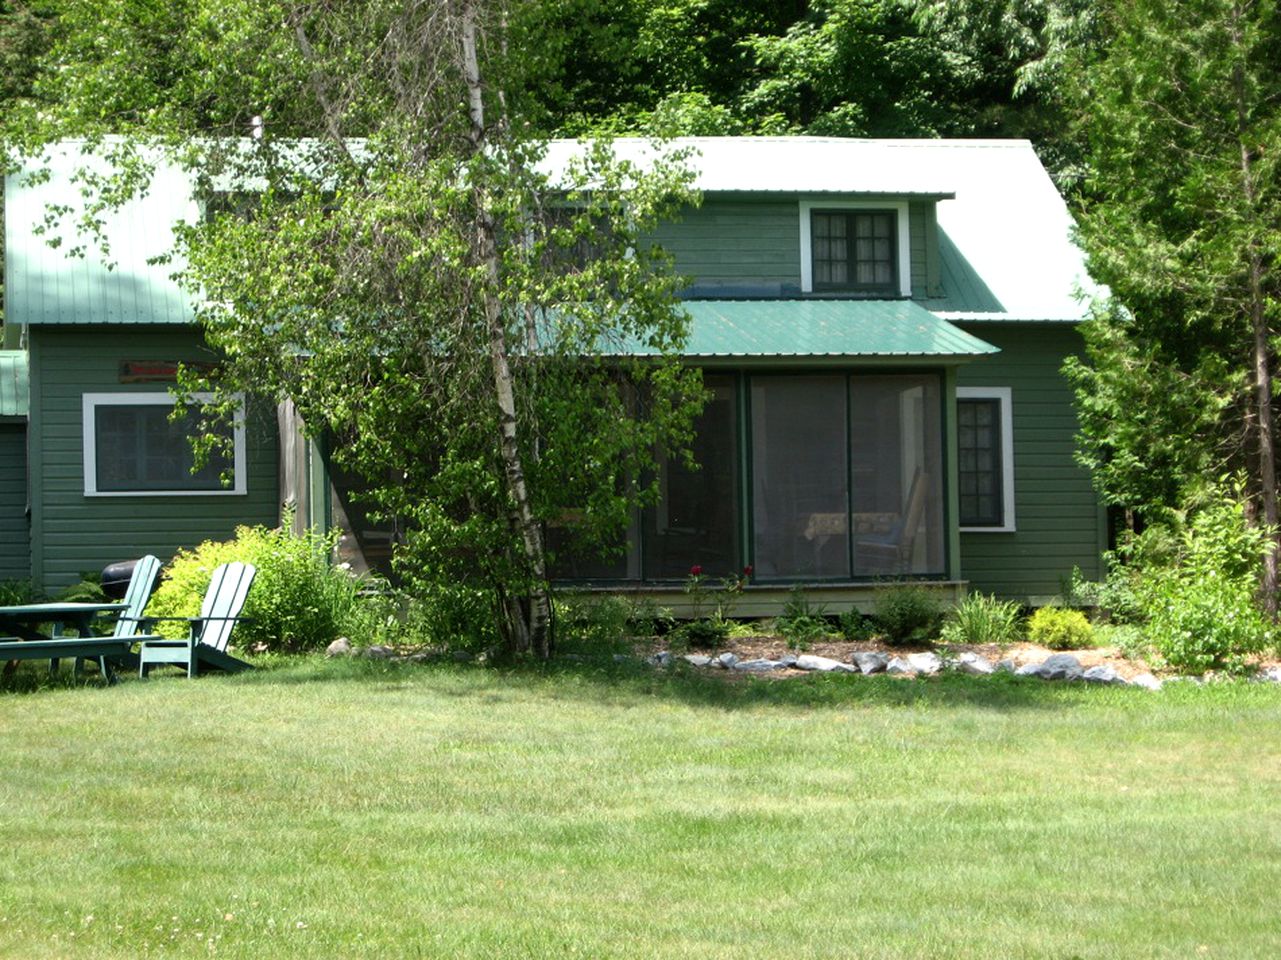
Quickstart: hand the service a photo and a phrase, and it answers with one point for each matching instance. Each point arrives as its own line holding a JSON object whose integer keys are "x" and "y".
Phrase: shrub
{"x": 706, "y": 633}
{"x": 1060, "y": 628}
{"x": 855, "y": 626}
{"x": 1201, "y": 609}
{"x": 800, "y": 623}
{"x": 592, "y": 622}
{"x": 298, "y": 601}
{"x": 983, "y": 619}
{"x": 907, "y": 614}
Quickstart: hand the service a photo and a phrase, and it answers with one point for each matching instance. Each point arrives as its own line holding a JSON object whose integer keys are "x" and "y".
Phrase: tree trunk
{"x": 531, "y": 625}
{"x": 1262, "y": 365}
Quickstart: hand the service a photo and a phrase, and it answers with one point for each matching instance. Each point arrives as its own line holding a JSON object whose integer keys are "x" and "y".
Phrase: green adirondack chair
{"x": 104, "y": 651}
{"x": 206, "y": 644}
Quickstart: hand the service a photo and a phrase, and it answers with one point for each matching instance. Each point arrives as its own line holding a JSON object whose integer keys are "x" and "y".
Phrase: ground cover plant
{"x": 362, "y": 809}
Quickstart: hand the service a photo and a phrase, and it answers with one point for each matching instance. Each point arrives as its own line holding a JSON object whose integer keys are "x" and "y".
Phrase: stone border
{"x": 1059, "y": 666}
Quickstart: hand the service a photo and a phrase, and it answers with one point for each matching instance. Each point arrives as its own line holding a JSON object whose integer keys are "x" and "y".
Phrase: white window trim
{"x": 904, "y": 237}
{"x": 1006, "y": 398}
{"x": 91, "y": 401}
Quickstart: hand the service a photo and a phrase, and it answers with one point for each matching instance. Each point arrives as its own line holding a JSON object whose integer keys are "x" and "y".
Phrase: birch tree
{"x": 492, "y": 344}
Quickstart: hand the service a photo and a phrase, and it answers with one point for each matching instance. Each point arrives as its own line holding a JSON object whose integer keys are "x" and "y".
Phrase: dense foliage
{"x": 298, "y": 600}
{"x": 1184, "y": 225}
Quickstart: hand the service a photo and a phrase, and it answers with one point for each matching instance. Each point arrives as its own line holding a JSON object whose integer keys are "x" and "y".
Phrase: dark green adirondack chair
{"x": 104, "y": 651}
{"x": 206, "y": 644}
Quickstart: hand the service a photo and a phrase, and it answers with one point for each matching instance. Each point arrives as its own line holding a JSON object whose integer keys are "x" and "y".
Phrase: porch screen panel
{"x": 800, "y": 503}
{"x": 896, "y": 459}
{"x": 696, "y": 521}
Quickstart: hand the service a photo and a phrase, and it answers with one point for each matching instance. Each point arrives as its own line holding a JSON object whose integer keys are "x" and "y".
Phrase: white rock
{"x": 1028, "y": 670}
{"x": 1146, "y": 681}
{"x": 697, "y": 660}
{"x": 339, "y": 648}
{"x": 925, "y": 663}
{"x": 1270, "y": 675}
{"x": 1061, "y": 666}
{"x": 789, "y": 660}
{"x": 899, "y": 667}
{"x": 869, "y": 661}
{"x": 379, "y": 652}
{"x": 661, "y": 659}
{"x": 1102, "y": 674}
{"x": 809, "y": 661}
{"x": 758, "y": 666}
{"x": 1006, "y": 666}
{"x": 975, "y": 665}
{"x": 727, "y": 660}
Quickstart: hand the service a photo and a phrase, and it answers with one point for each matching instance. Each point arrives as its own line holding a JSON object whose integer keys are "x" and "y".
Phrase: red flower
{"x": 696, "y": 571}
{"x": 747, "y": 570}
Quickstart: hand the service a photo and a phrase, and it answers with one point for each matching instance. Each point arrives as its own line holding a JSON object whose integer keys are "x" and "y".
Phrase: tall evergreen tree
{"x": 1183, "y": 114}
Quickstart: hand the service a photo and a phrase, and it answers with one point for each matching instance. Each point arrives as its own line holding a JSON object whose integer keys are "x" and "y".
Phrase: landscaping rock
{"x": 926, "y": 664}
{"x": 789, "y": 660}
{"x": 975, "y": 665}
{"x": 1270, "y": 675}
{"x": 870, "y": 662}
{"x": 726, "y": 660}
{"x": 758, "y": 666}
{"x": 339, "y": 648}
{"x": 1061, "y": 666}
{"x": 1006, "y": 666}
{"x": 1028, "y": 670}
{"x": 1102, "y": 674}
{"x": 898, "y": 667}
{"x": 379, "y": 652}
{"x": 1146, "y": 681}
{"x": 463, "y": 656}
{"x": 809, "y": 661}
{"x": 697, "y": 660}
{"x": 661, "y": 659}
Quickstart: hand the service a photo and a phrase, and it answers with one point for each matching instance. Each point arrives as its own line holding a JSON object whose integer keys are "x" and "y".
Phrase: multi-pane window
{"x": 854, "y": 250}
{"x": 981, "y": 466}
{"x": 131, "y": 446}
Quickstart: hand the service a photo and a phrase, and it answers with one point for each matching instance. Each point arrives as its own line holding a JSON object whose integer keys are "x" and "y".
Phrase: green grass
{"x": 362, "y": 809}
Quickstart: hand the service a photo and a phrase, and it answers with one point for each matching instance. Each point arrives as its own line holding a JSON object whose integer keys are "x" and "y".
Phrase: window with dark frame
{"x": 854, "y": 250}
{"x": 139, "y": 449}
{"x": 980, "y": 464}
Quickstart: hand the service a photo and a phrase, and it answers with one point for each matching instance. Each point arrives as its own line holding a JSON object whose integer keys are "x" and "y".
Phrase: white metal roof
{"x": 1008, "y": 252}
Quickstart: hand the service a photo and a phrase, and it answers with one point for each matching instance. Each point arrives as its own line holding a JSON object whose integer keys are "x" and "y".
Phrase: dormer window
{"x": 855, "y": 247}
{"x": 854, "y": 250}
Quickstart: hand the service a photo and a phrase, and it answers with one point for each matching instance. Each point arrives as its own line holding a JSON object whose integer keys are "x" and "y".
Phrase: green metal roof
{"x": 742, "y": 329}
{"x": 51, "y": 285}
{"x": 13, "y": 383}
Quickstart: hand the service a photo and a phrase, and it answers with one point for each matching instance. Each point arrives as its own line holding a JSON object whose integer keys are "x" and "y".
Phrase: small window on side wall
{"x": 132, "y": 448}
{"x": 985, "y": 452}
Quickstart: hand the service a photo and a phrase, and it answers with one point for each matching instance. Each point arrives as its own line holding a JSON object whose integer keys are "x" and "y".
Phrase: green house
{"x": 881, "y": 323}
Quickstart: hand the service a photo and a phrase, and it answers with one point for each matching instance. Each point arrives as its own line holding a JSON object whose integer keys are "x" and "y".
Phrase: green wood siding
{"x": 750, "y": 245}
{"x": 1058, "y": 518}
{"x": 15, "y": 547}
{"x": 737, "y": 242}
{"x": 72, "y": 532}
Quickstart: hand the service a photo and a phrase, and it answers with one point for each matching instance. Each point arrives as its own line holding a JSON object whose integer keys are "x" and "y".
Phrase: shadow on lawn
{"x": 607, "y": 680}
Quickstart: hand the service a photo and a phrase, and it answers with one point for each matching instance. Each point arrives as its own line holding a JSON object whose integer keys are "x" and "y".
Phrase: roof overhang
{"x": 817, "y": 332}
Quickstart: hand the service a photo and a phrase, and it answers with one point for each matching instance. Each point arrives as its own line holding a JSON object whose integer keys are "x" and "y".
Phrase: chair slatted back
{"x": 225, "y": 598}
{"x": 141, "y": 583}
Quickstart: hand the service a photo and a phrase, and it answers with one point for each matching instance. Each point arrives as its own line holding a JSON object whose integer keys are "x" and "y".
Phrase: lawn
{"x": 364, "y": 809}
